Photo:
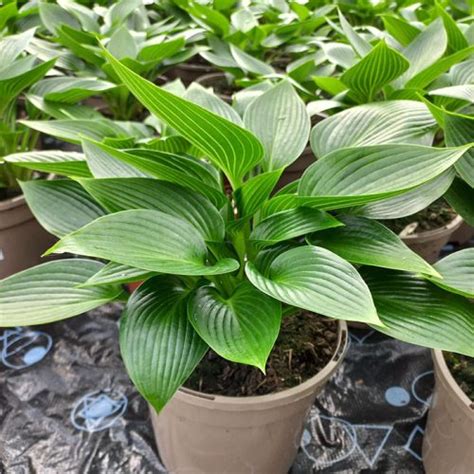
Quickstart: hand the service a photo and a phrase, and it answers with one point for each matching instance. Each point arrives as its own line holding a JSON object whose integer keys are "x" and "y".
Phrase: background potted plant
{"x": 22, "y": 240}
{"x": 449, "y": 436}
{"x": 221, "y": 271}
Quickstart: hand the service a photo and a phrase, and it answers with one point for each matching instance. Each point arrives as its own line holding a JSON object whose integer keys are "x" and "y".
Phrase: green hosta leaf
{"x": 157, "y": 52}
{"x": 290, "y": 224}
{"x": 147, "y": 239}
{"x": 61, "y": 206}
{"x": 69, "y": 90}
{"x": 159, "y": 346}
{"x": 210, "y": 18}
{"x": 317, "y": 280}
{"x": 459, "y": 130}
{"x": 379, "y": 67}
{"x": 106, "y": 162}
{"x": 8, "y": 11}
{"x": 68, "y": 163}
{"x": 230, "y": 147}
{"x": 462, "y": 73}
{"x": 250, "y": 63}
{"x": 428, "y": 75}
{"x": 338, "y": 54}
{"x": 53, "y": 17}
{"x": 13, "y": 45}
{"x": 424, "y": 50}
{"x": 72, "y": 130}
{"x": 462, "y": 92}
{"x": 242, "y": 328}
{"x": 75, "y": 42}
{"x": 409, "y": 202}
{"x": 179, "y": 169}
{"x": 415, "y": 311}
{"x": 49, "y": 292}
{"x": 12, "y": 85}
{"x": 461, "y": 197}
{"x": 457, "y": 272}
{"x": 201, "y": 96}
{"x": 118, "y": 194}
{"x": 122, "y": 44}
{"x": 255, "y": 192}
{"x": 380, "y": 169}
{"x": 117, "y": 273}
{"x": 279, "y": 119}
{"x": 397, "y": 121}
{"x": 367, "y": 242}
{"x": 360, "y": 45}
{"x": 331, "y": 85}
{"x": 86, "y": 16}
{"x": 456, "y": 39}
{"x": 400, "y": 29}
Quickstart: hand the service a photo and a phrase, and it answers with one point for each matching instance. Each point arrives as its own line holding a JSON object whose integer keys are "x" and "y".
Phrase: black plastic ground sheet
{"x": 67, "y": 405}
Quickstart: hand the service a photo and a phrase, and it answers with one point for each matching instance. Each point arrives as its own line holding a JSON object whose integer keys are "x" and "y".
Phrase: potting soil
{"x": 67, "y": 405}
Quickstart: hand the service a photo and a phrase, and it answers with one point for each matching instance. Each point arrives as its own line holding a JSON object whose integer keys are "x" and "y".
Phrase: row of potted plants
{"x": 254, "y": 246}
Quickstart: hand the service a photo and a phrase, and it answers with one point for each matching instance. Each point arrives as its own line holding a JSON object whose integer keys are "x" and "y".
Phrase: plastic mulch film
{"x": 67, "y": 405}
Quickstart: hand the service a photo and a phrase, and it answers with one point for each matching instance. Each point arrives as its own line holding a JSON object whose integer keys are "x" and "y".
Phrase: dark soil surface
{"x": 305, "y": 345}
{"x": 8, "y": 193}
{"x": 220, "y": 85}
{"x": 462, "y": 369}
{"x": 436, "y": 215}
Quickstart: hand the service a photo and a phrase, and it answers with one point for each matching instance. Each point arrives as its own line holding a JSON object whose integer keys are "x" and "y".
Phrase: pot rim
{"x": 12, "y": 203}
{"x": 443, "y": 375}
{"x": 229, "y": 403}
{"x": 434, "y": 233}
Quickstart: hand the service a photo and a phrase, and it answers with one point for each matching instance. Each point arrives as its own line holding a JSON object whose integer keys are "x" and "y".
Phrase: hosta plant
{"x": 18, "y": 71}
{"x": 135, "y": 34}
{"x": 222, "y": 260}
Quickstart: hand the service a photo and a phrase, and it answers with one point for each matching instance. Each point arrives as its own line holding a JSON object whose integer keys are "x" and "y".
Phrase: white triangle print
{"x": 371, "y": 440}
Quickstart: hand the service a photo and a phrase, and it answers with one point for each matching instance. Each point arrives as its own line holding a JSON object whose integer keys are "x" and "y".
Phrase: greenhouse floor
{"x": 66, "y": 398}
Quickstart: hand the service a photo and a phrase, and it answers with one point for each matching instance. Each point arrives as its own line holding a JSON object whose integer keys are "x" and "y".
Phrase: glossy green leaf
{"x": 459, "y": 130}
{"x": 60, "y": 206}
{"x": 457, "y": 272}
{"x": 428, "y": 75}
{"x": 409, "y": 202}
{"x": 427, "y": 48}
{"x": 159, "y": 346}
{"x": 379, "y": 67}
{"x": 462, "y": 92}
{"x": 367, "y": 242}
{"x": 117, "y": 273}
{"x": 49, "y": 292}
{"x": 242, "y": 328}
{"x": 201, "y": 96}
{"x": 230, "y": 147}
{"x": 255, "y": 192}
{"x": 460, "y": 196}
{"x": 122, "y": 44}
{"x": 118, "y": 194}
{"x": 250, "y": 63}
{"x": 380, "y": 169}
{"x": 291, "y": 224}
{"x": 317, "y": 280}
{"x": 403, "y": 31}
{"x": 106, "y": 162}
{"x": 279, "y": 119}
{"x": 416, "y": 311}
{"x": 397, "y": 121}
{"x": 70, "y": 90}
{"x": 68, "y": 163}
{"x": 147, "y": 239}
{"x": 360, "y": 45}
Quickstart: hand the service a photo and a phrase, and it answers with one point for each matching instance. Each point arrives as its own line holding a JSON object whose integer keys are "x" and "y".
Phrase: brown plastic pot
{"x": 428, "y": 244}
{"x": 462, "y": 235}
{"x": 216, "y": 80}
{"x": 210, "y": 434}
{"x": 296, "y": 169}
{"x": 22, "y": 239}
{"x": 448, "y": 443}
{"x": 189, "y": 72}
